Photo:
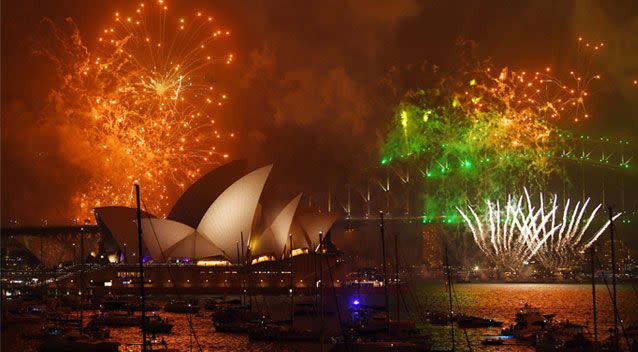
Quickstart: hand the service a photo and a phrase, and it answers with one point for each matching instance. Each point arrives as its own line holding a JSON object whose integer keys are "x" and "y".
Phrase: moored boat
{"x": 281, "y": 333}
{"x": 71, "y": 343}
{"x": 219, "y": 302}
{"x": 528, "y": 321}
{"x": 158, "y": 325}
{"x": 181, "y": 306}
{"x": 115, "y": 319}
{"x": 238, "y": 319}
{"x": 360, "y": 344}
{"x": 468, "y": 321}
{"x": 493, "y": 341}
{"x": 47, "y": 331}
{"x": 563, "y": 336}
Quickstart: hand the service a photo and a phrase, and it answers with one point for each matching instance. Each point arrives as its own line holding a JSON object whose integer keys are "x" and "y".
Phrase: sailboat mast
{"x": 243, "y": 270}
{"x": 316, "y": 281}
{"x": 321, "y": 294}
{"x": 396, "y": 274}
{"x": 141, "y": 264}
{"x": 613, "y": 276}
{"x": 241, "y": 274}
{"x": 449, "y": 292}
{"x": 593, "y": 291}
{"x": 385, "y": 276}
{"x": 81, "y": 281}
{"x": 243, "y": 257}
{"x": 292, "y": 286}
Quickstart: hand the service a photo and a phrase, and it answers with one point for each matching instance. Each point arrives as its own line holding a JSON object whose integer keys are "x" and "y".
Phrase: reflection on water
{"x": 569, "y": 301}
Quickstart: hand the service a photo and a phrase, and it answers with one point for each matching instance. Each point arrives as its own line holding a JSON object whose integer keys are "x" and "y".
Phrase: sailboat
{"x": 235, "y": 315}
{"x": 88, "y": 340}
{"x": 181, "y": 306}
{"x": 152, "y": 344}
{"x": 285, "y": 331}
{"x": 398, "y": 335}
{"x": 152, "y": 324}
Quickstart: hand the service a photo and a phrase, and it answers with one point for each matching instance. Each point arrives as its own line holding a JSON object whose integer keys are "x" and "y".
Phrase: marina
{"x": 567, "y": 301}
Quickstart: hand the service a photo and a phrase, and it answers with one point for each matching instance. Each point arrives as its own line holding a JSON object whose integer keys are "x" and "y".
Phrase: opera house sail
{"x": 208, "y": 222}
{"x": 230, "y": 217}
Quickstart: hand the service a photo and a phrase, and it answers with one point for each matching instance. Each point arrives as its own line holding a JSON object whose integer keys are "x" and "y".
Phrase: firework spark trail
{"x": 528, "y": 232}
{"x": 489, "y": 128}
{"x": 146, "y": 102}
{"x": 525, "y": 96}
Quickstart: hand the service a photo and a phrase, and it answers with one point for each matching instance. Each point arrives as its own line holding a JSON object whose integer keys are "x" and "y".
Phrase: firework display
{"x": 512, "y": 234}
{"x": 525, "y": 97}
{"x": 484, "y": 132}
{"x": 146, "y": 100}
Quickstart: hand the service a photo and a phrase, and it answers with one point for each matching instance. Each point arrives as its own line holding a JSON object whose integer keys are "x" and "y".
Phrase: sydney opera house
{"x": 226, "y": 233}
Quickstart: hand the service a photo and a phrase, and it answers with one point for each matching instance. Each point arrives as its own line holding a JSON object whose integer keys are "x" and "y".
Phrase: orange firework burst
{"x": 148, "y": 100}
{"x": 523, "y": 95}
{"x": 527, "y": 103}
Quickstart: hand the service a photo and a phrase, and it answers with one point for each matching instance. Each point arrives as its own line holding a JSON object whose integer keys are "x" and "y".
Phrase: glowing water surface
{"x": 498, "y": 301}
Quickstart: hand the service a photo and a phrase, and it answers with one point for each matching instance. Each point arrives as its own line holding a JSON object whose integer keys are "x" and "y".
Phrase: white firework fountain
{"x": 519, "y": 231}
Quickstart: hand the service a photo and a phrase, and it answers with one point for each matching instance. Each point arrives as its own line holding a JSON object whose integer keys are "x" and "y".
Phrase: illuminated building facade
{"x": 432, "y": 251}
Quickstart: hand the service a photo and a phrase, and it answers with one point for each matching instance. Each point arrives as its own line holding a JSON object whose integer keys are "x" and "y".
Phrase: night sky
{"x": 309, "y": 87}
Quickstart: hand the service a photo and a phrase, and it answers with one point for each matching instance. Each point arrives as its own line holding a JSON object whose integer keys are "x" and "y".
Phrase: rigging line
{"x": 168, "y": 268}
{"x": 405, "y": 306}
{"x": 420, "y": 307}
{"x": 188, "y": 314}
{"x": 334, "y": 294}
{"x": 413, "y": 295}
{"x": 456, "y": 298}
{"x": 421, "y": 315}
{"x": 622, "y": 326}
{"x": 458, "y": 307}
{"x": 417, "y": 302}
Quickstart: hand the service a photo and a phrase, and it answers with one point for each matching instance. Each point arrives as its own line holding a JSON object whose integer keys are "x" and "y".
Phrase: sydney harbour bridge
{"x": 600, "y": 168}
{"x": 596, "y": 168}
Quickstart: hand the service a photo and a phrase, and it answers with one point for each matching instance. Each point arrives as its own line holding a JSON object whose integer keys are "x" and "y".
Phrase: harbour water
{"x": 498, "y": 301}
{"x": 569, "y": 301}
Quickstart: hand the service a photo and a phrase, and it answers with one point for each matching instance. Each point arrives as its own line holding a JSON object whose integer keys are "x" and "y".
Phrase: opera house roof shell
{"x": 120, "y": 223}
{"x": 213, "y": 216}
{"x": 274, "y": 239}
{"x": 191, "y": 206}
{"x": 230, "y": 217}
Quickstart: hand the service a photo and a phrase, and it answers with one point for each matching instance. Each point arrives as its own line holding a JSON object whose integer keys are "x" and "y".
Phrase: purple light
{"x": 356, "y": 302}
